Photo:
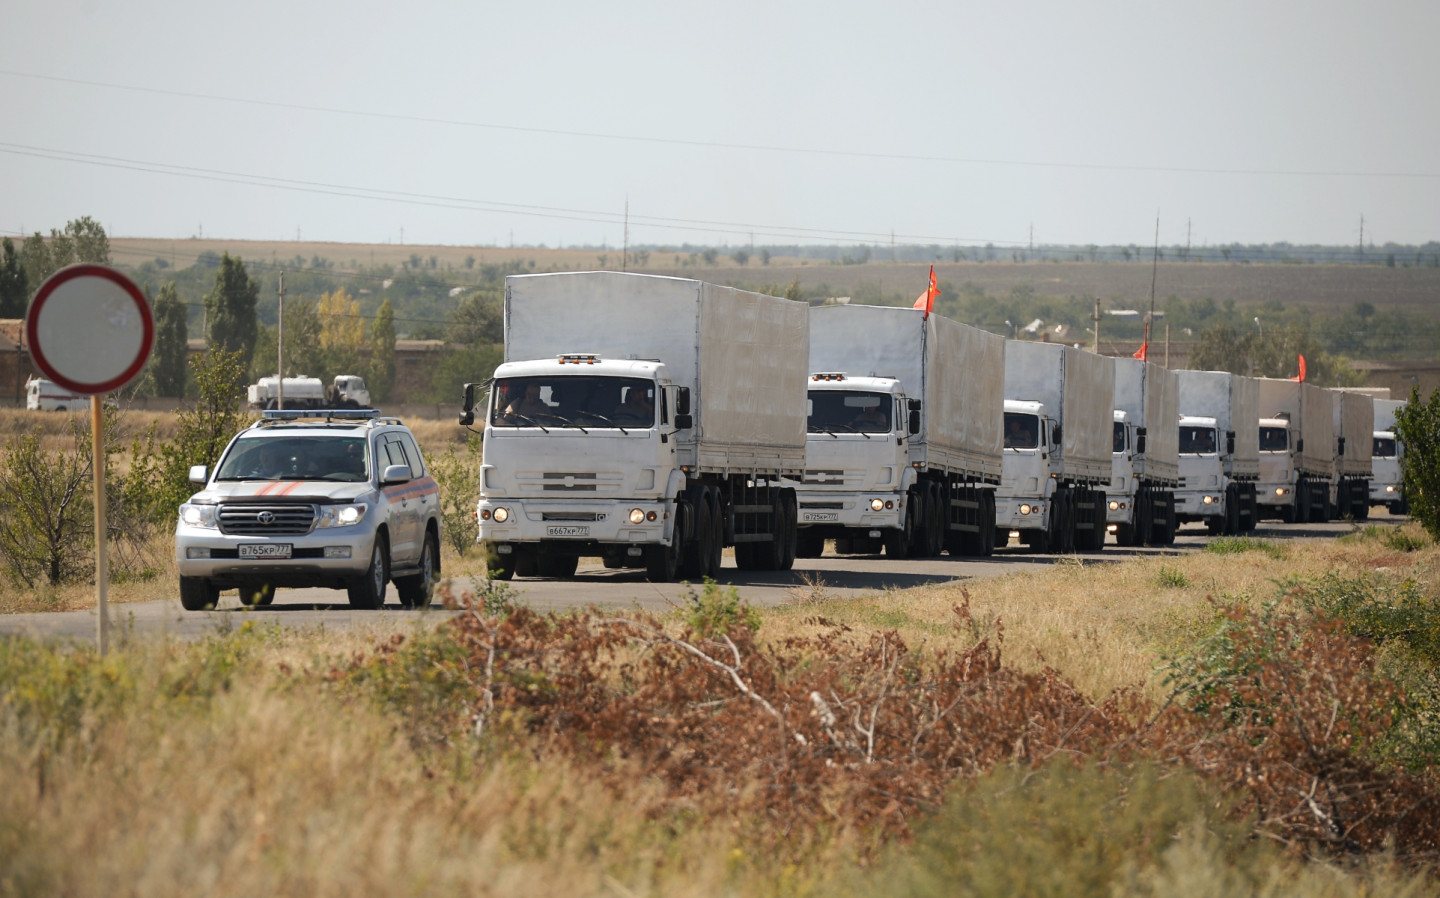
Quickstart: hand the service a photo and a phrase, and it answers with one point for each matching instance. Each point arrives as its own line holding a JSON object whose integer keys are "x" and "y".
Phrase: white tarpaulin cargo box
{"x": 1078, "y": 389}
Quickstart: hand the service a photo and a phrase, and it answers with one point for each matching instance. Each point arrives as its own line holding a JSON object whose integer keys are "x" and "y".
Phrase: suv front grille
{"x": 267, "y": 520}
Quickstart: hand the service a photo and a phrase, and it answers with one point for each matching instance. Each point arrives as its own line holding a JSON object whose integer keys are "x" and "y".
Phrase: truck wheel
{"x": 415, "y": 590}
{"x": 899, "y": 540}
{"x": 809, "y": 543}
{"x": 1287, "y": 514}
{"x": 557, "y": 567}
{"x": 662, "y": 563}
{"x": 1097, "y": 536}
{"x": 716, "y": 546}
{"x": 1232, "y": 511}
{"x": 367, "y": 592}
{"x": 790, "y": 532}
{"x": 198, "y": 594}
{"x": 257, "y": 595}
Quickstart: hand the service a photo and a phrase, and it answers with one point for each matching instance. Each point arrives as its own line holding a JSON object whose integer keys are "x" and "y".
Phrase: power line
{"x": 707, "y": 144}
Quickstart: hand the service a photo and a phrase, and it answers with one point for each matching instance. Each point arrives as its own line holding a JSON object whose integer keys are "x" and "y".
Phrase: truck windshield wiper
{"x": 568, "y": 423}
{"x": 528, "y": 419}
{"x": 606, "y": 421}
{"x": 851, "y": 429}
{"x": 815, "y": 428}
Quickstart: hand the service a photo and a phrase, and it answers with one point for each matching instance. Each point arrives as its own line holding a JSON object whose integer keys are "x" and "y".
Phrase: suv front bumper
{"x": 324, "y": 557}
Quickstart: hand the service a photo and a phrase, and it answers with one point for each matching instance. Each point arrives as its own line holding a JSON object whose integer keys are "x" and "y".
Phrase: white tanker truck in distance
{"x": 1295, "y": 457}
{"x": 645, "y": 420}
{"x": 904, "y": 433}
{"x": 1059, "y": 415}
{"x": 1219, "y": 450}
{"x": 1145, "y": 462}
{"x": 1386, "y": 456}
{"x": 1354, "y": 418}
{"x": 302, "y": 392}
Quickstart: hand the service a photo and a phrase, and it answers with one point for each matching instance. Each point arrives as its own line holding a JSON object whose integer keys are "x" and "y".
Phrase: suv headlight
{"x": 341, "y": 515}
{"x": 198, "y": 515}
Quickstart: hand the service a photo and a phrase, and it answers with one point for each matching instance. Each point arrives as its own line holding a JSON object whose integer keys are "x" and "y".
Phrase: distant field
{"x": 1128, "y": 283}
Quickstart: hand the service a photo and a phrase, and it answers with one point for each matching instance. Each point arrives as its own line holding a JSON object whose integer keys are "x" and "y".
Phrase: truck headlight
{"x": 637, "y": 516}
{"x": 198, "y": 515}
{"x": 501, "y": 515}
{"x": 1390, "y": 489}
{"x": 340, "y": 515}
{"x": 1025, "y": 509}
{"x": 1279, "y": 490}
{"x": 1208, "y": 500}
{"x": 1114, "y": 506}
{"x": 877, "y": 504}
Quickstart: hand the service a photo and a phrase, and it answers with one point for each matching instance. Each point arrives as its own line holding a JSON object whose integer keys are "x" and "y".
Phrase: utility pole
{"x": 1187, "y": 240}
{"x": 1097, "y": 325}
{"x": 1362, "y": 237}
{"x": 625, "y": 236}
{"x": 1032, "y": 252}
{"x": 1167, "y": 344}
{"x": 280, "y": 348}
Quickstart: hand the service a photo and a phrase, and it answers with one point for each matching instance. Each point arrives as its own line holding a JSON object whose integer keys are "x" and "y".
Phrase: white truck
{"x": 1145, "y": 460}
{"x": 644, "y": 420}
{"x": 1059, "y": 411}
{"x": 1387, "y": 454}
{"x": 1219, "y": 450}
{"x": 345, "y": 391}
{"x": 904, "y": 446}
{"x": 47, "y": 396}
{"x": 1295, "y": 457}
{"x": 1354, "y": 417}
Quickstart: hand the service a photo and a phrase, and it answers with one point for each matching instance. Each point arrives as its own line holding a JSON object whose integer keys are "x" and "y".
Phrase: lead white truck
{"x": 1294, "y": 443}
{"x": 1145, "y": 460}
{"x": 1059, "y": 414}
{"x": 1354, "y": 418}
{"x": 1387, "y": 454}
{"x": 903, "y": 449}
{"x": 644, "y": 420}
{"x": 1219, "y": 450}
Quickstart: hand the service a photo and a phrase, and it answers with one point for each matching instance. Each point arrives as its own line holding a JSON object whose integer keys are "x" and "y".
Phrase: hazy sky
{"x": 957, "y": 123}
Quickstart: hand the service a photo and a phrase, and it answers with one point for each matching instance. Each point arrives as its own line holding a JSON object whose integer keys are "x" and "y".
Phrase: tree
{"x": 303, "y": 353}
{"x": 203, "y": 430}
{"x": 381, "y": 376}
{"x": 479, "y": 320}
{"x": 1417, "y": 425}
{"x": 14, "y": 285}
{"x": 172, "y": 334}
{"x": 230, "y": 306}
{"x": 82, "y": 240}
{"x": 46, "y": 532}
{"x": 342, "y": 333}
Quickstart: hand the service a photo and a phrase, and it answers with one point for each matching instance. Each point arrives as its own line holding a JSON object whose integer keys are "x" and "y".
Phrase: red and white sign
{"x": 90, "y": 329}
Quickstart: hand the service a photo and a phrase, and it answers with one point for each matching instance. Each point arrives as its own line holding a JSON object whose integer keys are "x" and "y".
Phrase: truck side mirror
{"x": 684, "y": 421}
{"x": 467, "y": 415}
{"x": 1300, "y": 445}
{"x": 1055, "y": 435}
{"x": 682, "y": 405}
{"x": 914, "y": 419}
{"x": 1229, "y": 442}
{"x": 914, "y": 404}
{"x": 1140, "y": 441}
{"x": 1342, "y": 445}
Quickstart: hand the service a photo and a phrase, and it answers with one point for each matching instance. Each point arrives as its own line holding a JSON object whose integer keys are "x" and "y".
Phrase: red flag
{"x": 1301, "y": 376}
{"x": 1143, "y": 352}
{"x": 927, "y": 299}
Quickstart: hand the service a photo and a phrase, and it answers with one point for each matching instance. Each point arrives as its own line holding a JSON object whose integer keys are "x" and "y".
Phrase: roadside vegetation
{"x": 1265, "y": 728}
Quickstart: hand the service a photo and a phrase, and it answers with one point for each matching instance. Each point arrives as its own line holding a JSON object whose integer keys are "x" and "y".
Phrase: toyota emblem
{"x": 266, "y": 517}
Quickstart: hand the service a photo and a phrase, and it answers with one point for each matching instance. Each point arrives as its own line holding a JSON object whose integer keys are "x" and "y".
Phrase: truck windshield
{"x": 573, "y": 401}
{"x": 1021, "y": 431}
{"x": 1274, "y": 439}
{"x": 1197, "y": 440}
{"x": 849, "y": 411}
{"x": 344, "y": 459}
{"x": 1384, "y": 447}
{"x": 1118, "y": 440}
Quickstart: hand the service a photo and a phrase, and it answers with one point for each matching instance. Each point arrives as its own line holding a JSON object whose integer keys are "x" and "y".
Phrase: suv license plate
{"x": 265, "y": 550}
{"x": 820, "y": 516}
{"x": 567, "y": 531}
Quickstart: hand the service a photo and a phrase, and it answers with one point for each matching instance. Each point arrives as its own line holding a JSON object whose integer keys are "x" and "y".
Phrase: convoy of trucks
{"x": 903, "y": 448}
{"x": 347, "y": 391}
{"x": 654, "y": 421}
{"x": 650, "y": 421}
{"x": 1387, "y": 454}
{"x": 1058, "y": 412}
{"x": 1145, "y": 456}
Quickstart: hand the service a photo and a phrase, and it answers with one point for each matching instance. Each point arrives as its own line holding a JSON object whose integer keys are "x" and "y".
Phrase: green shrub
{"x": 1234, "y": 545}
{"x": 1172, "y": 578}
{"x": 713, "y": 611}
{"x": 1417, "y": 425}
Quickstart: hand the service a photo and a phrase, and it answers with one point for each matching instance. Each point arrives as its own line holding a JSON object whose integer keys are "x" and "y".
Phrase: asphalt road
{"x": 835, "y": 576}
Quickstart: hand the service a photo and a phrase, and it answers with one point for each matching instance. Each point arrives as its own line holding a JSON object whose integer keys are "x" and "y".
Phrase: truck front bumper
{"x": 1021, "y": 514}
{"x": 1200, "y": 503}
{"x": 851, "y": 510}
{"x": 323, "y": 557}
{"x": 1384, "y": 492}
{"x": 601, "y": 521}
{"x": 1276, "y": 495}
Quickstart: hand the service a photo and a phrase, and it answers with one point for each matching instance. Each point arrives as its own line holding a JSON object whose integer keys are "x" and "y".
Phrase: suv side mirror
{"x": 199, "y": 474}
{"x": 396, "y": 474}
{"x": 682, "y": 405}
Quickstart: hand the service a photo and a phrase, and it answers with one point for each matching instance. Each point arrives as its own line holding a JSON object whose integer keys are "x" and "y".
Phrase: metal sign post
{"x": 90, "y": 330}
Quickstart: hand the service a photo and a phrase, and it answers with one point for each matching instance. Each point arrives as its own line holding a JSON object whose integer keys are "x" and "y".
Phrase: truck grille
{"x": 572, "y": 516}
{"x": 831, "y": 505}
{"x": 823, "y": 477}
{"x": 267, "y": 520}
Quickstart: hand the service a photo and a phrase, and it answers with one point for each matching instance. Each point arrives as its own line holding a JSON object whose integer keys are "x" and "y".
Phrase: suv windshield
{"x": 1197, "y": 440}
{"x": 1274, "y": 439}
{"x": 296, "y": 458}
{"x": 582, "y": 401}
{"x": 849, "y": 411}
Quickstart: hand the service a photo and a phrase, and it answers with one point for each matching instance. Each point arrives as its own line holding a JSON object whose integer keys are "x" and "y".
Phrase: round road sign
{"x": 90, "y": 329}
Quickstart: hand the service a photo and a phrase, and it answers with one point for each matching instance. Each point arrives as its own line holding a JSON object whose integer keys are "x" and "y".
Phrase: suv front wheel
{"x": 368, "y": 591}
{"x": 415, "y": 591}
{"x": 198, "y": 594}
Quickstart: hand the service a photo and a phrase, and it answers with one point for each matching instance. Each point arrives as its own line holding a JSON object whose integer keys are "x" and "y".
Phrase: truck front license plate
{"x": 567, "y": 531}
{"x": 820, "y": 516}
{"x": 265, "y": 550}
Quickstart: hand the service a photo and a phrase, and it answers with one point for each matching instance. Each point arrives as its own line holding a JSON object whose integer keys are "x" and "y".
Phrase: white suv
{"x": 338, "y": 499}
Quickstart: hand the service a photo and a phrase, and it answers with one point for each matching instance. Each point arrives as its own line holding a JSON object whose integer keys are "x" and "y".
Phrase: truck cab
{"x": 1201, "y": 496}
{"x": 580, "y": 455}
{"x": 1028, "y": 480}
{"x": 1119, "y": 510}
{"x": 1279, "y": 468}
{"x": 857, "y": 470}
{"x": 1387, "y": 458}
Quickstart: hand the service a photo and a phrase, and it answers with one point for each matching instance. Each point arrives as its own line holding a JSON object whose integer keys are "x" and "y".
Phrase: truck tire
{"x": 662, "y": 563}
{"x": 790, "y": 533}
{"x": 989, "y": 533}
{"x": 696, "y": 518}
{"x": 198, "y": 594}
{"x": 415, "y": 590}
{"x": 556, "y": 567}
{"x": 899, "y": 541}
{"x": 367, "y": 592}
{"x": 809, "y": 543}
{"x": 1232, "y": 511}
